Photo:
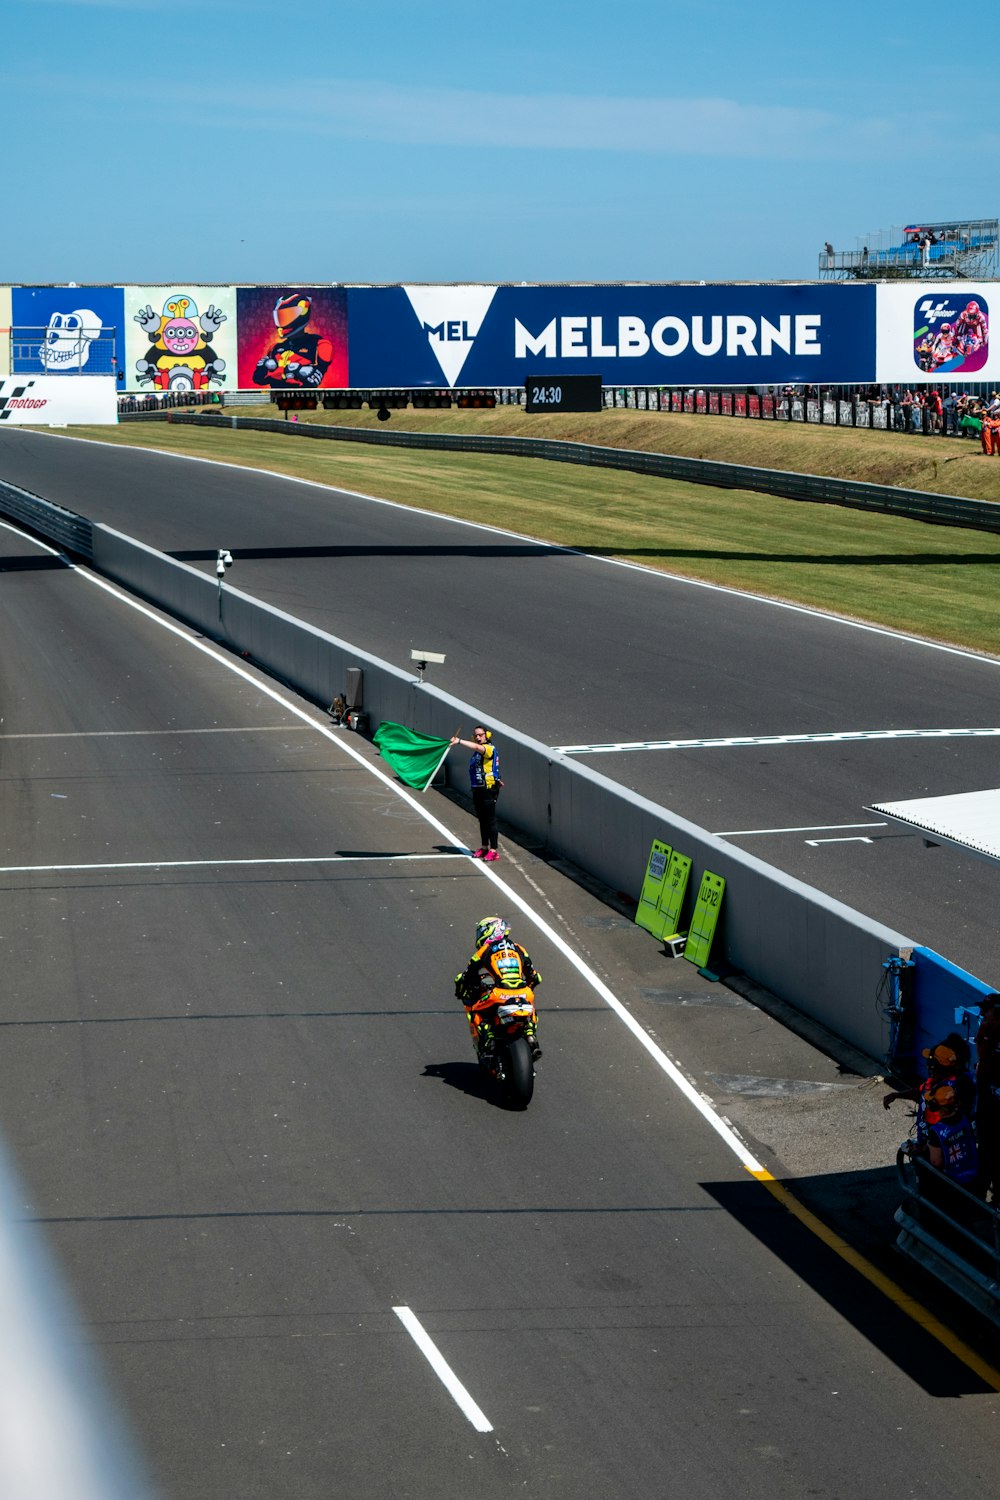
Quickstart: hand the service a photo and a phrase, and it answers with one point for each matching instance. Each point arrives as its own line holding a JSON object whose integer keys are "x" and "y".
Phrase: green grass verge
{"x": 935, "y": 581}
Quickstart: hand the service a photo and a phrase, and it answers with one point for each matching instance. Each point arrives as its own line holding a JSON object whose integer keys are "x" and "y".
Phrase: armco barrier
{"x": 919, "y": 505}
{"x": 63, "y": 526}
{"x": 815, "y": 953}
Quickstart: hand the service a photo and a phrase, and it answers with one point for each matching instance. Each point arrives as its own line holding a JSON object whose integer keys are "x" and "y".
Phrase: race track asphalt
{"x": 246, "y": 1115}
{"x": 578, "y": 650}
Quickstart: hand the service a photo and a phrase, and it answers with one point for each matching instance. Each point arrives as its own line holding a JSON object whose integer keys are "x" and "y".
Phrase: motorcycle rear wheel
{"x": 519, "y": 1073}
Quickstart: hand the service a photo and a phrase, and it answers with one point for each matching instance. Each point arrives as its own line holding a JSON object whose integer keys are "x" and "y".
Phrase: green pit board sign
{"x": 704, "y": 919}
{"x": 648, "y": 913}
{"x": 675, "y": 884}
{"x": 663, "y": 890}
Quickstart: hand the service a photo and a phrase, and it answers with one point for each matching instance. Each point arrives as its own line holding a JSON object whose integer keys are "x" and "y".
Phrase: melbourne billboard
{"x": 629, "y": 335}
{"x": 175, "y": 338}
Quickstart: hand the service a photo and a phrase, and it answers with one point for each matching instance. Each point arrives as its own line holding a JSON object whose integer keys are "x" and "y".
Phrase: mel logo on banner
{"x": 451, "y": 317}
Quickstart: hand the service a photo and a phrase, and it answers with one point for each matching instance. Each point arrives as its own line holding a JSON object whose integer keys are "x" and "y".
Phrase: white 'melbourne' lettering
{"x": 598, "y": 348}
{"x": 676, "y": 326}
{"x": 698, "y": 341}
{"x": 525, "y": 343}
{"x": 806, "y": 331}
{"x": 578, "y": 337}
{"x": 574, "y": 343}
{"x": 633, "y": 340}
{"x": 740, "y": 335}
{"x": 780, "y": 336}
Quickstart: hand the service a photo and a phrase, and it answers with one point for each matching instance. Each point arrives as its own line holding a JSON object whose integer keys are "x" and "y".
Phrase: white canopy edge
{"x": 968, "y": 820}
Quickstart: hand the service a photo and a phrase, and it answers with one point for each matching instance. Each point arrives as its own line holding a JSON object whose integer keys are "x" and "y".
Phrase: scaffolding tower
{"x": 956, "y": 250}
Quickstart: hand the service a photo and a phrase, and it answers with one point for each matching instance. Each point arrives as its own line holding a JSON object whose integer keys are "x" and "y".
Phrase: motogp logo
{"x": 951, "y": 337}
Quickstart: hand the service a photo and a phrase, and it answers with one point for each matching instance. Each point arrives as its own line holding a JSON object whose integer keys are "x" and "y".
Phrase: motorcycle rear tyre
{"x": 519, "y": 1073}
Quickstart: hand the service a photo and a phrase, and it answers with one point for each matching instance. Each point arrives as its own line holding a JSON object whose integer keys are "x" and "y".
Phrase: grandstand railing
{"x": 949, "y": 1232}
{"x": 966, "y": 249}
{"x": 63, "y": 351}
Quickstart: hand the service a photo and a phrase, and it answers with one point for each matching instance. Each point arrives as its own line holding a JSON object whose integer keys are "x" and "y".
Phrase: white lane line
{"x": 189, "y": 864}
{"x": 132, "y": 734}
{"x": 702, "y": 1105}
{"x": 738, "y": 742}
{"x": 855, "y": 840}
{"x": 443, "y": 1371}
{"x": 745, "y": 833}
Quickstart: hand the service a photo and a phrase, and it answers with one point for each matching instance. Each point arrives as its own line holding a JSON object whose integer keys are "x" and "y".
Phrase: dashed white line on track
{"x": 443, "y": 1370}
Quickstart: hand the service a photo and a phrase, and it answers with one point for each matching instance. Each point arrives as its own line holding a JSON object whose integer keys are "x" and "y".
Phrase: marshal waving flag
{"x": 414, "y": 757}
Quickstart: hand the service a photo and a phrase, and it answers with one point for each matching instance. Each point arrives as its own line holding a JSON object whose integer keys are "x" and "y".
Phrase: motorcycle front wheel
{"x": 519, "y": 1073}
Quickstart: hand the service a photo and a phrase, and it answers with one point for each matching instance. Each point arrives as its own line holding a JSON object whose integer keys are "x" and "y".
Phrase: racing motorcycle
{"x": 505, "y": 1054}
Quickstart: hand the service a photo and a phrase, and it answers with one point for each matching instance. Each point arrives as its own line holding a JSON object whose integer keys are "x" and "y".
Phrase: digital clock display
{"x": 563, "y": 393}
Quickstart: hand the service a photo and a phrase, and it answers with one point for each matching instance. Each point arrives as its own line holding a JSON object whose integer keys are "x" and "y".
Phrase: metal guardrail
{"x": 65, "y": 527}
{"x": 950, "y": 1232}
{"x": 920, "y": 505}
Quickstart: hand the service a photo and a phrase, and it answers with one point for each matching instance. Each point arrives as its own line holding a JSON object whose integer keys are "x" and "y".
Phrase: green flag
{"x": 414, "y": 757}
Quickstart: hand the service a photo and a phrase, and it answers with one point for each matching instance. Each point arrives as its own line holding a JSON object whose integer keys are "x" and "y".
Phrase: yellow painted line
{"x": 885, "y": 1284}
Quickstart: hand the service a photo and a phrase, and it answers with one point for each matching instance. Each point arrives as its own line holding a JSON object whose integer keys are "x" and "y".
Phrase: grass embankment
{"x": 935, "y": 581}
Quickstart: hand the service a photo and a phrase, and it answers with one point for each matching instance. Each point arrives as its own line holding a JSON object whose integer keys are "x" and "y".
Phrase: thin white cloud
{"x": 404, "y": 115}
{"x": 144, "y": 7}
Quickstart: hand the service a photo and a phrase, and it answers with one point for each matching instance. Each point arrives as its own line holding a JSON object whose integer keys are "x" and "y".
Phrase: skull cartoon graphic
{"x": 68, "y": 339}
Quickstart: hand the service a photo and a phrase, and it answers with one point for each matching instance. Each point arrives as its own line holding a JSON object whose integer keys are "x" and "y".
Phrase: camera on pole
{"x": 223, "y": 561}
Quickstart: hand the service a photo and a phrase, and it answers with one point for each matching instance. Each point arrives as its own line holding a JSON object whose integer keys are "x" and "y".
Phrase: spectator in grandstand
{"x": 949, "y": 408}
{"x": 935, "y": 408}
{"x": 917, "y": 414}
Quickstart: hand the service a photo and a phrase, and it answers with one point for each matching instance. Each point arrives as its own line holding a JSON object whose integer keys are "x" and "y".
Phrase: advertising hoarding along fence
{"x": 648, "y": 335}
{"x": 430, "y": 337}
{"x": 53, "y": 401}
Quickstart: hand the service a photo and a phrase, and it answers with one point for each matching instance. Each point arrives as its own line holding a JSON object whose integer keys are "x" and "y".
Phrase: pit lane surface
{"x": 240, "y": 1098}
{"x": 576, "y": 650}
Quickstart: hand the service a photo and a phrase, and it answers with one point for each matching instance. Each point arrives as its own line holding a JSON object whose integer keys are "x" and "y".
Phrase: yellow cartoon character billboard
{"x": 182, "y": 350}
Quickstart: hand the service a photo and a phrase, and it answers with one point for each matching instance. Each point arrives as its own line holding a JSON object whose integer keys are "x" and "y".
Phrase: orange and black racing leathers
{"x": 499, "y": 965}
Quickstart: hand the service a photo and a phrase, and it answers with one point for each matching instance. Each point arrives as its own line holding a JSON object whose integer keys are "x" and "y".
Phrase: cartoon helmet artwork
{"x": 291, "y": 313}
{"x": 178, "y": 330}
{"x": 945, "y": 327}
{"x": 971, "y": 307}
{"x": 490, "y": 930}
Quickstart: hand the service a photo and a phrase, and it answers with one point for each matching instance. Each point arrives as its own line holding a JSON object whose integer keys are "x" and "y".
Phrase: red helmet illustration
{"x": 291, "y": 313}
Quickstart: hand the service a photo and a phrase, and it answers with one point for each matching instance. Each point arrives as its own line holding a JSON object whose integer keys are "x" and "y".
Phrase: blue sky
{"x": 250, "y": 140}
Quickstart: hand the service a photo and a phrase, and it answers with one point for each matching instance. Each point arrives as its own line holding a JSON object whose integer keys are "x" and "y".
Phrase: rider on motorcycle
{"x": 497, "y": 963}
